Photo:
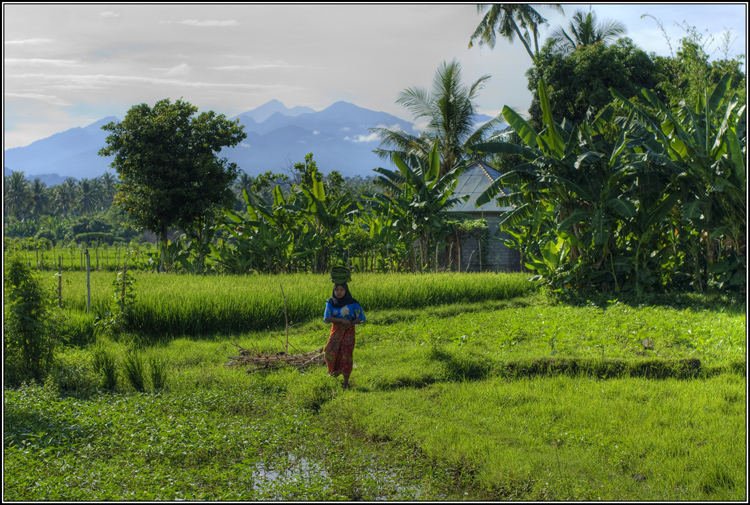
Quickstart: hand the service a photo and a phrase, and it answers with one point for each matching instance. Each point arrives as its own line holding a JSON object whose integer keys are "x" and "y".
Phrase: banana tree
{"x": 567, "y": 187}
{"x": 419, "y": 194}
{"x": 326, "y": 221}
{"x": 268, "y": 237}
{"x": 704, "y": 150}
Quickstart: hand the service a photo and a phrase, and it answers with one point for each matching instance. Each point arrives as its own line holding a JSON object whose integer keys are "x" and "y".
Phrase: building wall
{"x": 499, "y": 257}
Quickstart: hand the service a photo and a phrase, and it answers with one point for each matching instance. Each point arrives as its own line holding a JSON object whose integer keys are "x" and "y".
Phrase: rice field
{"x": 171, "y": 305}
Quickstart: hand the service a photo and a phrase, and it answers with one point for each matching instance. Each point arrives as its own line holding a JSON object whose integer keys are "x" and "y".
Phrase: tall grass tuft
{"x": 105, "y": 363}
{"x": 134, "y": 368}
{"x": 157, "y": 371}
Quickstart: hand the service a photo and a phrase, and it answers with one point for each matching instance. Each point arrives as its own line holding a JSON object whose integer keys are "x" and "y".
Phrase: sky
{"x": 69, "y": 65}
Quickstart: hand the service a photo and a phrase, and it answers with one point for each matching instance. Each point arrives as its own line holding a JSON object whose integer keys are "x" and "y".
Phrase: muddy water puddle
{"x": 298, "y": 477}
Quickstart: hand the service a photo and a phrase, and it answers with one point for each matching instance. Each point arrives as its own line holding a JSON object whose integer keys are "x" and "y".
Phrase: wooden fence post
{"x": 88, "y": 282}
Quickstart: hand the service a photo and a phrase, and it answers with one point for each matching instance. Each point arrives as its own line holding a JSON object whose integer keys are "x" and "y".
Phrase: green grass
{"x": 445, "y": 405}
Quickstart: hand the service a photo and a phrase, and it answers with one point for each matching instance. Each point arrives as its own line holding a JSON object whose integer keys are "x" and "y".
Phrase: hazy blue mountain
{"x": 266, "y": 110}
{"x": 278, "y": 137}
{"x": 72, "y": 153}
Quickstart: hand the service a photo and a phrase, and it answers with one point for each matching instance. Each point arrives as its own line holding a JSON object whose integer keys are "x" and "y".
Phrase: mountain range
{"x": 277, "y": 138}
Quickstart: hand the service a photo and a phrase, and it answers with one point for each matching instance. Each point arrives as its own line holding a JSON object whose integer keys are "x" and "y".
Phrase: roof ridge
{"x": 481, "y": 165}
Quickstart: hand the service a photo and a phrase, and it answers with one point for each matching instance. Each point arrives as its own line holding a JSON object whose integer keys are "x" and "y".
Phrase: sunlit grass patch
{"x": 550, "y": 437}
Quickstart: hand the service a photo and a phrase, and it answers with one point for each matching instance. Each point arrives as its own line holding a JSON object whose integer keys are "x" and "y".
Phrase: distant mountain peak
{"x": 268, "y": 109}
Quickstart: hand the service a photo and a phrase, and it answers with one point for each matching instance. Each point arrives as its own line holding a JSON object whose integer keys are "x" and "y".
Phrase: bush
{"x": 30, "y": 324}
{"x": 49, "y": 237}
{"x": 88, "y": 238}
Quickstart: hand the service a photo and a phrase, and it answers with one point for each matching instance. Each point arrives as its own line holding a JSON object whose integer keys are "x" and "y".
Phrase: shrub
{"x": 30, "y": 324}
{"x": 90, "y": 237}
{"x": 49, "y": 237}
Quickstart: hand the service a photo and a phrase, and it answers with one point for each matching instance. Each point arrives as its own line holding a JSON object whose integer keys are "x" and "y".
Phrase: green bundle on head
{"x": 340, "y": 275}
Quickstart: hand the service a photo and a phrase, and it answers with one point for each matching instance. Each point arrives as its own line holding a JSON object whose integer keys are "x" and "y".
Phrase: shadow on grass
{"x": 37, "y": 431}
{"x": 461, "y": 367}
{"x": 602, "y": 368}
{"x": 729, "y": 303}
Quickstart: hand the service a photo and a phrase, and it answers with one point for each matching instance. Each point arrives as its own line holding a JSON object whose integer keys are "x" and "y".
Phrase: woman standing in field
{"x": 343, "y": 312}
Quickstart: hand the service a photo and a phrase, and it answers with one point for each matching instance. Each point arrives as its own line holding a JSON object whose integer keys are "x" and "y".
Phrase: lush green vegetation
{"x": 445, "y": 405}
{"x": 628, "y": 384}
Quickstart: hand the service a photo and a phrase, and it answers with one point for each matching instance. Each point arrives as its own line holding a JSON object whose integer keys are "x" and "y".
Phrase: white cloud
{"x": 50, "y": 99}
{"x": 110, "y": 14}
{"x": 180, "y": 70}
{"x": 373, "y": 137}
{"x": 316, "y": 132}
{"x": 27, "y": 42}
{"x": 345, "y": 129}
{"x": 209, "y": 23}
{"x": 82, "y": 81}
{"x": 260, "y": 66}
{"x": 41, "y": 62}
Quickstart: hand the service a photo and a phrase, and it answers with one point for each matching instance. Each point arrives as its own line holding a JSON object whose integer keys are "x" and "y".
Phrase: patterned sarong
{"x": 339, "y": 351}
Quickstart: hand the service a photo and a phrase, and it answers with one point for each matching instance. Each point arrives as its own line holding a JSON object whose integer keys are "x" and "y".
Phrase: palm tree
{"x": 88, "y": 196}
{"x": 17, "y": 194}
{"x": 65, "y": 196}
{"x": 39, "y": 198}
{"x": 450, "y": 111}
{"x": 508, "y": 20}
{"x": 586, "y": 31}
{"x": 107, "y": 184}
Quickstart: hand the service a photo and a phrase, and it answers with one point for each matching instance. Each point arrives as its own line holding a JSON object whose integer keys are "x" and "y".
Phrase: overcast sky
{"x": 69, "y": 65}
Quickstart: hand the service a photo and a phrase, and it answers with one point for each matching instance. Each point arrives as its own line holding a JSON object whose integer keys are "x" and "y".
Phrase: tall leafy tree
{"x": 508, "y": 20}
{"x": 585, "y": 30}
{"x": 582, "y": 79}
{"x": 566, "y": 193}
{"x": 167, "y": 160}
{"x": 451, "y": 114}
{"x": 686, "y": 75}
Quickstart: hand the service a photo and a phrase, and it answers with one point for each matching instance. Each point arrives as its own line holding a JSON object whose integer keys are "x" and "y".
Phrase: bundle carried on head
{"x": 340, "y": 275}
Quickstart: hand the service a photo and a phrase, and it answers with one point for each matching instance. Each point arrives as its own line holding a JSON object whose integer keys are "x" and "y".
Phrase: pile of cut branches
{"x": 260, "y": 361}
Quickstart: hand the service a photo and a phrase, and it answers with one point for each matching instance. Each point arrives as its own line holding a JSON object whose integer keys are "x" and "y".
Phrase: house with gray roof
{"x": 498, "y": 257}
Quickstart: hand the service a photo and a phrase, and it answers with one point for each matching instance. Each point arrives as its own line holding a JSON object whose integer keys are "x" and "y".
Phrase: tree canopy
{"x": 167, "y": 163}
{"x": 582, "y": 79}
